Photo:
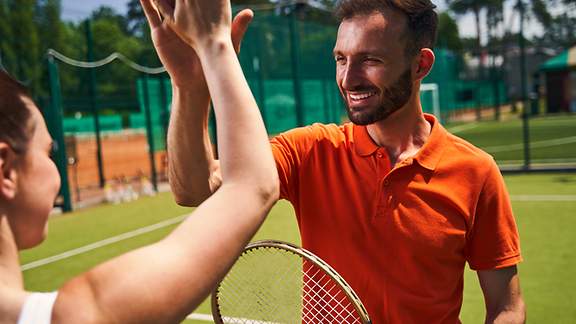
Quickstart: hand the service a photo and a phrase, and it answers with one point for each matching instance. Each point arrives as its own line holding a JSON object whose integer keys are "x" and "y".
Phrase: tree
{"x": 448, "y": 34}
{"x": 249, "y": 2}
{"x": 475, "y": 6}
{"x": 109, "y": 14}
{"x": 49, "y": 24}
{"x": 110, "y": 34}
{"x": 7, "y": 54}
{"x": 50, "y": 35}
{"x": 559, "y": 29}
{"x": 135, "y": 19}
{"x": 25, "y": 43}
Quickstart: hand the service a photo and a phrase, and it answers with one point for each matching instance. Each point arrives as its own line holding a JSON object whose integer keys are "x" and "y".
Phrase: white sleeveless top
{"x": 38, "y": 308}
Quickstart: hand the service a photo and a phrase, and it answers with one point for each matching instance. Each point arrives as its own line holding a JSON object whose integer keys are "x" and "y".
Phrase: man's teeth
{"x": 361, "y": 96}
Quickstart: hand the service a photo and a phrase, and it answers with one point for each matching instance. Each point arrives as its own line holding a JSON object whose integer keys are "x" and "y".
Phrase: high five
{"x": 165, "y": 281}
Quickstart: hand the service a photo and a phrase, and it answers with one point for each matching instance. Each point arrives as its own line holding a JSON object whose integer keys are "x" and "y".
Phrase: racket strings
{"x": 328, "y": 301}
{"x": 269, "y": 285}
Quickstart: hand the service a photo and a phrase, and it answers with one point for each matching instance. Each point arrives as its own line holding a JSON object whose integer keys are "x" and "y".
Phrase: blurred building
{"x": 535, "y": 56}
{"x": 560, "y": 75}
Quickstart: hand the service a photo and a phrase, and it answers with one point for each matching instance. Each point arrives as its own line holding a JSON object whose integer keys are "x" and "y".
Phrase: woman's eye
{"x": 52, "y": 151}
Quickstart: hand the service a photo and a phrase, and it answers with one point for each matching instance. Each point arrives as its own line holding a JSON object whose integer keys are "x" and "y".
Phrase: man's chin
{"x": 359, "y": 118}
{"x": 365, "y": 116}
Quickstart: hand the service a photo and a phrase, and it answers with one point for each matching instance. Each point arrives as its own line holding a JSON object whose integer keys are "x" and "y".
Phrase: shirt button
{"x": 380, "y": 155}
{"x": 386, "y": 182}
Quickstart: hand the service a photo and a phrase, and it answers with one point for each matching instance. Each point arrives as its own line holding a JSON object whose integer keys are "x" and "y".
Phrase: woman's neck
{"x": 12, "y": 294}
{"x": 10, "y": 274}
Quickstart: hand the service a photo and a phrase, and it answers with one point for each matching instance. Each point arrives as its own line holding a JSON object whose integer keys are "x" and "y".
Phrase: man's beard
{"x": 394, "y": 97}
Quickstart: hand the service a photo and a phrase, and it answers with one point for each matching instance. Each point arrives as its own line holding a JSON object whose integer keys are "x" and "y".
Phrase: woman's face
{"x": 37, "y": 183}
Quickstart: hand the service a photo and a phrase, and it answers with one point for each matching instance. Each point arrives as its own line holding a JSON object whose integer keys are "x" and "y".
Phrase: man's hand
{"x": 178, "y": 57}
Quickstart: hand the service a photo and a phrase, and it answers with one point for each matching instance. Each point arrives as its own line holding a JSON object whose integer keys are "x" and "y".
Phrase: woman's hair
{"x": 16, "y": 127}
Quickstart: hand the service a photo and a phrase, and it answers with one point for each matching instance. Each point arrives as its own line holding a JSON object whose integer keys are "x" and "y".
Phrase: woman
{"x": 191, "y": 259}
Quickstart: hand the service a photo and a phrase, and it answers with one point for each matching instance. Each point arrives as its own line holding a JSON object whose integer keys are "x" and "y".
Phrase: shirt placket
{"x": 383, "y": 174}
{"x": 386, "y": 192}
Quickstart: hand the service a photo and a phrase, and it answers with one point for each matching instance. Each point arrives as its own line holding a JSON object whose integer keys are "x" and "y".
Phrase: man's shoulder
{"x": 318, "y": 132}
{"x": 461, "y": 148}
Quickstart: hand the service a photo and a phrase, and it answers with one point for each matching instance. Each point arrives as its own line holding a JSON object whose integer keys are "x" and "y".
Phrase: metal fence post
{"x": 525, "y": 108}
{"x": 93, "y": 103}
{"x": 149, "y": 131}
{"x": 294, "y": 52}
{"x": 53, "y": 117}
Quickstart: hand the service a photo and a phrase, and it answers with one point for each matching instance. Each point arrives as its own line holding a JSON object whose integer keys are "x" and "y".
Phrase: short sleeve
{"x": 494, "y": 241}
{"x": 37, "y": 308}
{"x": 290, "y": 149}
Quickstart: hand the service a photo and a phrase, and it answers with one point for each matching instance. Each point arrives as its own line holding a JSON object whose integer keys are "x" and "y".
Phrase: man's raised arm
{"x": 193, "y": 172}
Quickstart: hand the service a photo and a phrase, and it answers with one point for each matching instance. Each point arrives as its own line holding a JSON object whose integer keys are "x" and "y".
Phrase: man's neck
{"x": 402, "y": 134}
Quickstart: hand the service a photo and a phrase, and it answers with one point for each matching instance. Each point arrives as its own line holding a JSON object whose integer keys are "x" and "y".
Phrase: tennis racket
{"x": 277, "y": 282}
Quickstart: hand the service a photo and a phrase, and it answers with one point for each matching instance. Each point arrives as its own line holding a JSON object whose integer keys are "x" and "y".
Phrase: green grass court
{"x": 553, "y": 139}
{"x": 544, "y": 206}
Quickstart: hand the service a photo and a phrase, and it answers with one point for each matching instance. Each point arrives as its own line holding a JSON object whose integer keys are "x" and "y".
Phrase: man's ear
{"x": 423, "y": 63}
{"x": 8, "y": 172}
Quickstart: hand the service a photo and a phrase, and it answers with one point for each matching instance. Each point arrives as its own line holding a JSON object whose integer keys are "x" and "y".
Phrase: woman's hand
{"x": 179, "y": 59}
{"x": 199, "y": 23}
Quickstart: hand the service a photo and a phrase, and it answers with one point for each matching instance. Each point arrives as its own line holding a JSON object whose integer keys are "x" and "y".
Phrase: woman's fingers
{"x": 151, "y": 13}
{"x": 166, "y": 9}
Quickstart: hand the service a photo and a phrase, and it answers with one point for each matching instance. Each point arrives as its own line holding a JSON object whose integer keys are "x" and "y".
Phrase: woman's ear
{"x": 8, "y": 172}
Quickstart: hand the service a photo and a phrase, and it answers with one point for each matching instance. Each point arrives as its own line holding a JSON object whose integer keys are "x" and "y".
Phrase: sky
{"x": 76, "y": 10}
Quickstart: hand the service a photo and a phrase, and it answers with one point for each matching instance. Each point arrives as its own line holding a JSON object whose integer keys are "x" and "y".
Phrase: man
{"x": 392, "y": 201}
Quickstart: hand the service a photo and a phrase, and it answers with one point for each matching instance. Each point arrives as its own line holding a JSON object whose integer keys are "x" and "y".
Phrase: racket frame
{"x": 310, "y": 257}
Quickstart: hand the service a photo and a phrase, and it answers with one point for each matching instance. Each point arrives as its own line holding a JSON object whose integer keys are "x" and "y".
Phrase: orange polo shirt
{"x": 399, "y": 236}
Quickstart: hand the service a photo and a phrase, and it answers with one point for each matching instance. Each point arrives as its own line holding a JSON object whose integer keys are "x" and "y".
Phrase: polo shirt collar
{"x": 428, "y": 156}
{"x": 363, "y": 143}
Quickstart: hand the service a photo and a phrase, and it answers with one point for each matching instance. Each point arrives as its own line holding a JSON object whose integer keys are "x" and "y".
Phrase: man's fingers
{"x": 239, "y": 27}
{"x": 151, "y": 13}
{"x": 166, "y": 9}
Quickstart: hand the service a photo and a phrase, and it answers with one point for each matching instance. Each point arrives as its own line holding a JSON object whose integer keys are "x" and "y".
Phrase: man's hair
{"x": 16, "y": 127}
{"x": 422, "y": 20}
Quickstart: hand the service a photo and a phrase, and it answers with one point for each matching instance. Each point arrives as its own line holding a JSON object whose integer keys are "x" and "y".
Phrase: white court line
{"x": 239, "y": 320}
{"x": 543, "y": 197}
{"x": 200, "y": 317}
{"x": 153, "y": 227}
{"x": 513, "y": 147}
{"x": 150, "y": 228}
{"x": 458, "y": 129}
{"x": 99, "y": 244}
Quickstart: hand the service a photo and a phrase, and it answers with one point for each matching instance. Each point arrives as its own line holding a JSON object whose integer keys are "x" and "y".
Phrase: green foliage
{"x": 105, "y": 13}
{"x": 560, "y": 27}
{"x": 7, "y": 54}
{"x": 448, "y": 35}
{"x": 50, "y": 28}
{"x": 249, "y": 2}
{"x": 135, "y": 19}
{"x": 24, "y": 42}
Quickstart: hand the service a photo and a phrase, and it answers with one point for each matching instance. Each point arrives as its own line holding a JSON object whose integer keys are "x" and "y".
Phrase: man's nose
{"x": 351, "y": 76}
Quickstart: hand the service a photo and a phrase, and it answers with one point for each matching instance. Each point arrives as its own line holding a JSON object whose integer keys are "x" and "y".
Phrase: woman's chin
{"x": 32, "y": 239}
